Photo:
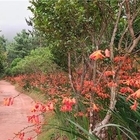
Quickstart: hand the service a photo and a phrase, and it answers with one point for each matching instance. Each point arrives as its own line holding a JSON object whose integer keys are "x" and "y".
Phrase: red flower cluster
{"x": 43, "y": 107}
{"x": 67, "y": 104}
{"x": 124, "y": 90}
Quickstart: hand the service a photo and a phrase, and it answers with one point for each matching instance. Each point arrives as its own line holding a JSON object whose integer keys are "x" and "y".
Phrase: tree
{"x": 23, "y": 43}
{"x": 38, "y": 61}
{"x": 3, "y": 42}
{"x": 21, "y": 46}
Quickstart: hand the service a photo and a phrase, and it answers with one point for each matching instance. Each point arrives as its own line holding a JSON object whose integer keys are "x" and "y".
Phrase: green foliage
{"x": 2, "y": 53}
{"x": 21, "y": 46}
{"x": 72, "y": 26}
{"x": 3, "y": 42}
{"x": 15, "y": 61}
{"x": 39, "y": 60}
{"x": 126, "y": 117}
{"x": 71, "y": 131}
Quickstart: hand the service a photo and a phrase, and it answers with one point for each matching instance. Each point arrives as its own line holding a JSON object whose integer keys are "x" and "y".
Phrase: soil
{"x": 14, "y": 118}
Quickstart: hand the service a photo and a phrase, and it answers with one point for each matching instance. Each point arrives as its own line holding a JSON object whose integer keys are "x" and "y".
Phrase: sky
{"x": 12, "y": 17}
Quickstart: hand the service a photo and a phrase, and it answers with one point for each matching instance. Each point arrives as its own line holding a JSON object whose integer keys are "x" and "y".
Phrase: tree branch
{"x": 134, "y": 44}
{"x": 70, "y": 73}
{"x": 98, "y": 131}
{"x": 121, "y": 39}
{"x": 129, "y": 19}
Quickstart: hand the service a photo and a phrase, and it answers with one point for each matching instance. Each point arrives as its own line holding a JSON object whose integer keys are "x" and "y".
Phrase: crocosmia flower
{"x": 96, "y": 55}
{"x": 134, "y": 106}
{"x": 8, "y": 101}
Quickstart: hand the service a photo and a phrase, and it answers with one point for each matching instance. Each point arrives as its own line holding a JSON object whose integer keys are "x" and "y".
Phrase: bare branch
{"x": 134, "y": 44}
{"x": 121, "y": 39}
{"x": 115, "y": 30}
{"x": 129, "y": 19}
{"x": 70, "y": 74}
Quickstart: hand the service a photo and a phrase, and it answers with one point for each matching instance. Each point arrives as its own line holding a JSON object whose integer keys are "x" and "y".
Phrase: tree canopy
{"x": 80, "y": 27}
{"x": 2, "y": 53}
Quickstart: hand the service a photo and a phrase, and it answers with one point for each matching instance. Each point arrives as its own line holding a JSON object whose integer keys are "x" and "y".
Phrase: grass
{"x": 47, "y": 132}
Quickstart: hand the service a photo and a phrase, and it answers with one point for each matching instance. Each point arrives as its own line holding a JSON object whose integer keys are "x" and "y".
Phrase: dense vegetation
{"x": 84, "y": 56}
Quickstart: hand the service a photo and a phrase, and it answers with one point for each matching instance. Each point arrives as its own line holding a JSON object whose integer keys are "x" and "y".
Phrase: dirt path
{"x": 14, "y": 118}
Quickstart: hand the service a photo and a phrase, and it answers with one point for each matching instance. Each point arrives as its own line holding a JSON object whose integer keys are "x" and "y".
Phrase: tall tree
{"x": 21, "y": 46}
{"x": 2, "y": 52}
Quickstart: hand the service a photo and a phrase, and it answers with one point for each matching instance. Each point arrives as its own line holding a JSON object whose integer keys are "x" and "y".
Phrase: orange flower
{"x": 134, "y": 106}
{"x": 112, "y": 84}
{"x": 96, "y": 55}
{"x": 69, "y": 101}
{"x": 34, "y": 119}
{"x": 39, "y": 107}
{"x": 79, "y": 114}
{"x": 8, "y": 101}
{"x": 119, "y": 58}
{"x": 20, "y": 135}
{"x": 38, "y": 129}
{"x": 126, "y": 89}
{"x": 109, "y": 73}
{"x": 135, "y": 95}
{"x": 95, "y": 108}
{"x": 50, "y": 106}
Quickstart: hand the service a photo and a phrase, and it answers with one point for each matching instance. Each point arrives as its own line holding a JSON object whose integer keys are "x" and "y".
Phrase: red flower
{"x": 67, "y": 104}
